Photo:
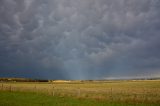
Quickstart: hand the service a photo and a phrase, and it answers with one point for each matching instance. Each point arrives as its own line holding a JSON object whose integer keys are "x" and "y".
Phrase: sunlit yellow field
{"x": 125, "y": 91}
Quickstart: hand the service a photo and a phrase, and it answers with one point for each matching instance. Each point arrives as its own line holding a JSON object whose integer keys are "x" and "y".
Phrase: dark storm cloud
{"x": 79, "y": 39}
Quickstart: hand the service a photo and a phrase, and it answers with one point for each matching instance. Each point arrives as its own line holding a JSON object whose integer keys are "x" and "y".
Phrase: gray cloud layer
{"x": 79, "y": 39}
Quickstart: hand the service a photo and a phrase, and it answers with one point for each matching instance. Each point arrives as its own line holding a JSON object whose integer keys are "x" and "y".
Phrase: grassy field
{"x": 116, "y": 93}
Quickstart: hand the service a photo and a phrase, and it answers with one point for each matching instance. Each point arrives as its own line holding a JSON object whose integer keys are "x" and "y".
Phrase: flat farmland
{"x": 129, "y": 92}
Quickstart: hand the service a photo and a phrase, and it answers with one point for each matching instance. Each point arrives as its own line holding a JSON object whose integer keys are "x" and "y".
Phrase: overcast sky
{"x": 79, "y": 39}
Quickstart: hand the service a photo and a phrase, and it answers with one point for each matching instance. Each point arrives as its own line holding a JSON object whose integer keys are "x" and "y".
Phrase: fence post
{"x": 78, "y": 92}
{"x": 10, "y": 88}
{"x": 35, "y": 89}
{"x": 53, "y": 91}
{"x": 2, "y": 86}
{"x": 111, "y": 95}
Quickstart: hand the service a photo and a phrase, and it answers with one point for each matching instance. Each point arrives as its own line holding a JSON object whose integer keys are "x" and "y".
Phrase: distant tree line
{"x": 21, "y": 80}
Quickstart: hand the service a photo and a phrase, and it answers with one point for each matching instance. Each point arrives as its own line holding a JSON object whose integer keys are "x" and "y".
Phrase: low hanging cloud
{"x": 79, "y": 39}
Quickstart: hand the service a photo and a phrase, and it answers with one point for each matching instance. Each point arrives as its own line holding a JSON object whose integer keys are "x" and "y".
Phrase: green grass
{"x": 33, "y": 99}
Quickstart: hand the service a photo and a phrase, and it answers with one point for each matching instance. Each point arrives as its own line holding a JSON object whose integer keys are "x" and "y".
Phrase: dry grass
{"x": 140, "y": 91}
